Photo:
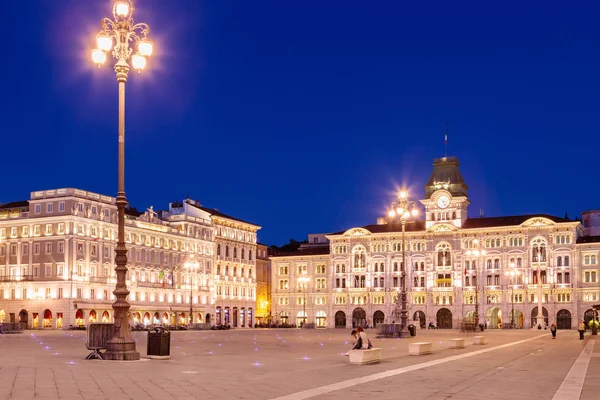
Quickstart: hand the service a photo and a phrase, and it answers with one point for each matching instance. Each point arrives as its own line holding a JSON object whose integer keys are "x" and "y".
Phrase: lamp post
{"x": 304, "y": 280}
{"x": 512, "y": 273}
{"x": 478, "y": 252}
{"x": 540, "y": 316}
{"x": 191, "y": 266}
{"x": 403, "y": 208}
{"x": 119, "y": 32}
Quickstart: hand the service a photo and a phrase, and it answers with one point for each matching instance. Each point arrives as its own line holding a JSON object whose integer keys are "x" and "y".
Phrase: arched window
{"x": 337, "y": 269}
{"x": 467, "y": 281}
{"x": 443, "y": 254}
{"x": 343, "y": 268}
{"x": 497, "y": 263}
{"x": 453, "y": 214}
{"x": 343, "y": 282}
{"x": 242, "y": 255}
{"x": 337, "y": 283}
{"x": 227, "y": 270}
{"x": 422, "y": 266}
{"x": 519, "y": 262}
{"x": 559, "y": 262}
{"x": 250, "y": 255}
{"x": 235, "y": 252}
{"x": 218, "y": 249}
{"x": 567, "y": 261}
{"x": 489, "y": 264}
{"x": 396, "y": 266}
{"x": 467, "y": 264}
{"x": 218, "y": 270}
{"x": 226, "y": 251}
{"x": 538, "y": 249}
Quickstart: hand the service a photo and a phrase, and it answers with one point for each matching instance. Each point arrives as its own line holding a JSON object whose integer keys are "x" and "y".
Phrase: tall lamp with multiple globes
{"x": 478, "y": 252}
{"x": 117, "y": 34}
{"x": 403, "y": 209}
{"x": 191, "y": 265}
{"x": 512, "y": 273}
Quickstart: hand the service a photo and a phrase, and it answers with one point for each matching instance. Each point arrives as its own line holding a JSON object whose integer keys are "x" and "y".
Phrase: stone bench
{"x": 478, "y": 340}
{"x": 419, "y": 348}
{"x": 369, "y": 356}
{"x": 456, "y": 343}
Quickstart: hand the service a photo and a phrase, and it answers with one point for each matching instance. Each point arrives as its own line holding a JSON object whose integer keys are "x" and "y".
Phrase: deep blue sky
{"x": 304, "y": 116}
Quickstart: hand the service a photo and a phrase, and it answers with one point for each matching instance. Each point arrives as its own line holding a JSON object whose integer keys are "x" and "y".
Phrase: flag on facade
{"x": 446, "y": 139}
{"x": 171, "y": 278}
{"x": 465, "y": 271}
{"x": 161, "y": 277}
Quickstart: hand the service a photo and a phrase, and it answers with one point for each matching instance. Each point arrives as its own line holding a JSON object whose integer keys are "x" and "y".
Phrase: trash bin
{"x": 412, "y": 329}
{"x": 159, "y": 342}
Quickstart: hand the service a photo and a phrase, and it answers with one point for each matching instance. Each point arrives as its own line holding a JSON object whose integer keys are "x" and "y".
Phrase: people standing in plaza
{"x": 553, "y": 330}
{"x": 581, "y": 330}
{"x": 354, "y": 337}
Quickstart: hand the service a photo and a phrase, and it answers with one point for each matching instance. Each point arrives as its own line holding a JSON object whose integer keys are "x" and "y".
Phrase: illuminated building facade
{"x": 453, "y": 262}
{"x": 57, "y": 261}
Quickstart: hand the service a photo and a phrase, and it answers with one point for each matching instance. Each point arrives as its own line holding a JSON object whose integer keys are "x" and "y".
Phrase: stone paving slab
{"x": 266, "y": 364}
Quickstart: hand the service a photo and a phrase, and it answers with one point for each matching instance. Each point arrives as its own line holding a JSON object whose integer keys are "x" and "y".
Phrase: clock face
{"x": 443, "y": 202}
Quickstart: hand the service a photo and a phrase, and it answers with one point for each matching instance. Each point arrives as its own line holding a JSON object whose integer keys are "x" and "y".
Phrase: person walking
{"x": 581, "y": 330}
{"x": 553, "y": 330}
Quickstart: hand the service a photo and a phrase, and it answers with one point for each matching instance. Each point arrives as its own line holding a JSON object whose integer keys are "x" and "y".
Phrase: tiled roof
{"x": 307, "y": 251}
{"x": 470, "y": 223}
{"x": 490, "y": 222}
{"x": 218, "y": 213}
{"x": 15, "y": 204}
{"x": 588, "y": 239}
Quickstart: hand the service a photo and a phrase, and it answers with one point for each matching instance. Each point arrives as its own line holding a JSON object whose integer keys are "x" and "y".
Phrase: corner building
{"x": 355, "y": 278}
{"x": 57, "y": 262}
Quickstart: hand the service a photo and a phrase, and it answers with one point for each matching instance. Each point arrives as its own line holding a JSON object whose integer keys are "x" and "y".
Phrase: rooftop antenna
{"x": 446, "y": 137}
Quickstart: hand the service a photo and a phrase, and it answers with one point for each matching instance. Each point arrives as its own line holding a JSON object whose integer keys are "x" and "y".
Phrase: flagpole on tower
{"x": 446, "y": 137}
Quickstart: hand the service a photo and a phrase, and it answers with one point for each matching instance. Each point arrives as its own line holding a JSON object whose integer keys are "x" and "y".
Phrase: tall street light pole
{"x": 540, "y": 316}
{"x": 512, "y": 273}
{"x": 304, "y": 280}
{"x": 120, "y": 31}
{"x": 191, "y": 266}
{"x": 478, "y": 252}
{"x": 404, "y": 209}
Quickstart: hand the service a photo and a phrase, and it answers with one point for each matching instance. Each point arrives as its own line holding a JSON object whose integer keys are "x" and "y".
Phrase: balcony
{"x": 152, "y": 284}
{"x": 100, "y": 279}
{"x": 14, "y": 278}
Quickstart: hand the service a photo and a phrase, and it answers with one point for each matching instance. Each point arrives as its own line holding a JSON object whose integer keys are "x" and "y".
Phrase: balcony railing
{"x": 13, "y": 278}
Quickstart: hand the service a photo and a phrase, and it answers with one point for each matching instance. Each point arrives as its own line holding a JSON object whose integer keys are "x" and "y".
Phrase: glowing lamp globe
{"x": 145, "y": 48}
{"x": 104, "y": 42}
{"x": 414, "y": 212}
{"x": 98, "y": 56}
{"x": 122, "y": 9}
{"x": 138, "y": 61}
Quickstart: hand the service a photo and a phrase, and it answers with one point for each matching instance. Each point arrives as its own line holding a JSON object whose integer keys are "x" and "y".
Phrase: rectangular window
{"x": 36, "y": 248}
{"x": 79, "y": 293}
{"x": 93, "y": 250}
{"x": 60, "y": 293}
{"x": 24, "y": 294}
{"x": 61, "y": 206}
{"x": 60, "y": 270}
{"x": 61, "y": 229}
{"x": 49, "y": 207}
{"x": 105, "y": 294}
{"x": 2, "y": 232}
{"x": 80, "y": 249}
{"x": 93, "y": 294}
{"x": 49, "y": 248}
{"x": 25, "y": 231}
{"x": 13, "y": 249}
{"x": 13, "y": 232}
{"x": 61, "y": 247}
{"x": 48, "y": 229}
{"x": 48, "y": 271}
{"x": 38, "y": 208}
{"x": 48, "y": 293}
{"x": 36, "y": 272}
{"x": 25, "y": 249}
{"x": 106, "y": 250}
{"x": 36, "y": 230}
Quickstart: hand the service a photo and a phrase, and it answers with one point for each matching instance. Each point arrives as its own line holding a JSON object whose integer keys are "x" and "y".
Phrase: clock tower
{"x": 446, "y": 199}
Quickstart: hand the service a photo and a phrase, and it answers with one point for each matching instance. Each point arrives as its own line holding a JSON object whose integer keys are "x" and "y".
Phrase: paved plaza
{"x": 302, "y": 364}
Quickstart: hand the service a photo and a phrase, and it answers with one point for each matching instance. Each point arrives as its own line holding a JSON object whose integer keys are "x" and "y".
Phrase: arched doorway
{"x": 517, "y": 319}
{"x": 47, "y": 319}
{"x": 219, "y": 320}
{"x": 340, "y": 319}
{"x": 588, "y": 316}
{"x": 146, "y": 319}
{"x": 156, "y": 318}
{"x": 321, "y": 319}
{"x": 419, "y": 316}
{"x": 470, "y": 317}
{"x": 181, "y": 318}
{"x": 2, "y": 316}
{"x": 444, "y": 319}
{"x": 284, "y": 317}
{"x": 378, "y": 318}
{"x": 563, "y": 319}
{"x": 301, "y": 318}
{"x": 207, "y": 318}
{"x": 359, "y": 317}
{"x": 534, "y": 314}
{"x": 105, "y": 316}
{"x": 199, "y": 318}
{"x": 493, "y": 318}
{"x": 235, "y": 317}
{"x": 23, "y": 318}
{"x": 92, "y": 316}
{"x": 165, "y": 319}
{"x": 136, "y": 318}
{"x": 79, "y": 318}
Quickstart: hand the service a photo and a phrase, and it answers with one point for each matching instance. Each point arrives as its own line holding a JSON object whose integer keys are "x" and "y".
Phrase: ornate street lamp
{"x": 512, "y": 273}
{"x": 304, "y": 281}
{"x": 191, "y": 266}
{"x": 119, "y": 32}
{"x": 403, "y": 209}
{"x": 477, "y": 252}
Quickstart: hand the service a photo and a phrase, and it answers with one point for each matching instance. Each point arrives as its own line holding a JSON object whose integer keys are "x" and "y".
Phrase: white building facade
{"x": 356, "y": 278}
{"x": 57, "y": 261}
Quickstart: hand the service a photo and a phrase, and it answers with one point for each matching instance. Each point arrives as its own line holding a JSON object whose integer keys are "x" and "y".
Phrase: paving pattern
{"x": 297, "y": 364}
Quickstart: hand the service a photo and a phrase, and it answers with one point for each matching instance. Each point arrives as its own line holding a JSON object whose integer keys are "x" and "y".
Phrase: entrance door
{"x": 563, "y": 319}
{"x": 359, "y": 317}
{"x": 588, "y": 316}
{"x": 444, "y": 319}
{"x": 340, "y": 319}
{"x": 534, "y": 314}
{"x": 419, "y": 316}
{"x": 378, "y": 318}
